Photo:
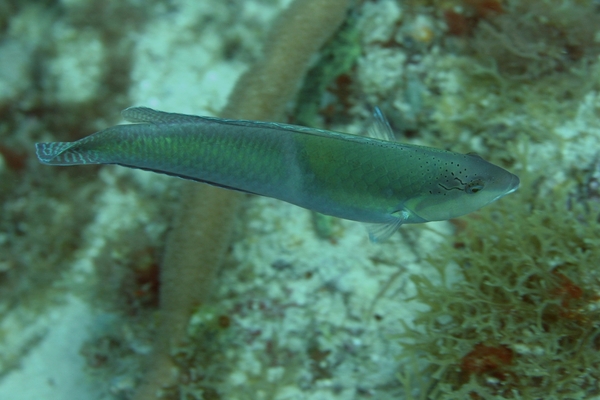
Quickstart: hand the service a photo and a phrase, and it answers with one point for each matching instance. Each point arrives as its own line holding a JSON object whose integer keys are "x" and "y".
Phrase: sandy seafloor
{"x": 332, "y": 306}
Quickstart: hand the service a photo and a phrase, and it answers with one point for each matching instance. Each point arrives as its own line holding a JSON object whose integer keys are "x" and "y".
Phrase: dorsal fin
{"x": 148, "y": 115}
{"x": 379, "y": 128}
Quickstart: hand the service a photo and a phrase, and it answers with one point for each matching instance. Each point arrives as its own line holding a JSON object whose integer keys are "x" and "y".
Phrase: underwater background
{"x": 123, "y": 284}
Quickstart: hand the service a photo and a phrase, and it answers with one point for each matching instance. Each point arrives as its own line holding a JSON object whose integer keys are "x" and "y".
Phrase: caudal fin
{"x": 62, "y": 153}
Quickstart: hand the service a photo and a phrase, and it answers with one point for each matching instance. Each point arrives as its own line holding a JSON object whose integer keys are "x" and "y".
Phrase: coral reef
{"x": 281, "y": 313}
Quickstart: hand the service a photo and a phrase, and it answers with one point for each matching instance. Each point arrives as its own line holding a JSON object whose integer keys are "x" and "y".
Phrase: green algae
{"x": 330, "y": 74}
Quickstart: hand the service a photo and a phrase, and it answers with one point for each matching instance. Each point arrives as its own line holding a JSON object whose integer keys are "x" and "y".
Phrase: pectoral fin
{"x": 381, "y": 232}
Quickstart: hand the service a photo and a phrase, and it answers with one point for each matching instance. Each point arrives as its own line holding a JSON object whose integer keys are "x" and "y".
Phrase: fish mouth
{"x": 513, "y": 184}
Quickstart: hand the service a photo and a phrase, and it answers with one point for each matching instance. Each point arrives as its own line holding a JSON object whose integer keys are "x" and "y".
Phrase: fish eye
{"x": 474, "y": 186}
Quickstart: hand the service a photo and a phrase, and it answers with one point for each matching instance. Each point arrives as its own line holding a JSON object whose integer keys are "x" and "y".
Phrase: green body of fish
{"x": 366, "y": 179}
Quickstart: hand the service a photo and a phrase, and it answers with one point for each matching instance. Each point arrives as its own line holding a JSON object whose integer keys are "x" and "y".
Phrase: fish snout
{"x": 513, "y": 183}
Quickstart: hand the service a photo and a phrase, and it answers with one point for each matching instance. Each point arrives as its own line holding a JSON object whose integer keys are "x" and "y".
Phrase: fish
{"x": 367, "y": 178}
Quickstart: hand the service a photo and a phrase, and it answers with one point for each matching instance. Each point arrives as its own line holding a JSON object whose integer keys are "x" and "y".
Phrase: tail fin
{"x": 63, "y": 153}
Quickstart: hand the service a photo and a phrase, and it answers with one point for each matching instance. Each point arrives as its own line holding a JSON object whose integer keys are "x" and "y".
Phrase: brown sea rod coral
{"x": 201, "y": 231}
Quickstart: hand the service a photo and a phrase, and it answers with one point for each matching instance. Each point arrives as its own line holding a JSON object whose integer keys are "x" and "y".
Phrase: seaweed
{"x": 332, "y": 76}
{"x": 522, "y": 321}
{"x": 525, "y": 40}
